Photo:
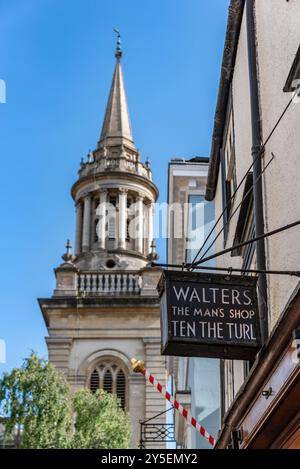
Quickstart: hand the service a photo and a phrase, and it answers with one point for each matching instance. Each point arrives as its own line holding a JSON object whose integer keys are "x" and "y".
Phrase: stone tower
{"x": 105, "y": 309}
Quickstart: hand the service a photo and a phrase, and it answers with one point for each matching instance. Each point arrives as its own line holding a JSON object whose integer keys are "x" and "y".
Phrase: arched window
{"x": 121, "y": 387}
{"x": 112, "y": 226}
{"x": 111, "y": 377}
{"x": 127, "y": 229}
{"x": 96, "y": 238}
{"x": 108, "y": 381}
{"x": 94, "y": 381}
{"x": 112, "y": 217}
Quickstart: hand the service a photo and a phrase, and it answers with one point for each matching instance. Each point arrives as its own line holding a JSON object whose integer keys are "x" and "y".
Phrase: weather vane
{"x": 118, "y": 53}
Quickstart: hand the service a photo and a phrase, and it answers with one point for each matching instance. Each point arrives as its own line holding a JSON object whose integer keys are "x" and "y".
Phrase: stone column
{"x": 150, "y": 226}
{"x": 122, "y": 218}
{"x": 101, "y": 212}
{"x": 78, "y": 234}
{"x": 136, "y": 388}
{"x": 139, "y": 242}
{"x": 86, "y": 224}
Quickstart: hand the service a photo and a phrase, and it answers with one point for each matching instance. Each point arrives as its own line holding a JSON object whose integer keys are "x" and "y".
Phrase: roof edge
{"x": 235, "y": 15}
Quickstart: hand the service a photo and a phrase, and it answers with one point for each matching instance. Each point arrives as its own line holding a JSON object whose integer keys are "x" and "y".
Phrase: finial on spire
{"x": 68, "y": 256}
{"x": 118, "y": 53}
{"x": 153, "y": 256}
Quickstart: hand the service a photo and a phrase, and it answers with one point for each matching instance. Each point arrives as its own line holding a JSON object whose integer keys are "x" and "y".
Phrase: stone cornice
{"x": 112, "y": 252}
{"x": 115, "y": 174}
{"x": 101, "y": 302}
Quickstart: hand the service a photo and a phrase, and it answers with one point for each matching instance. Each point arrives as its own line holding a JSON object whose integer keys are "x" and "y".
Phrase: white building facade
{"x": 254, "y": 181}
{"x": 196, "y": 381}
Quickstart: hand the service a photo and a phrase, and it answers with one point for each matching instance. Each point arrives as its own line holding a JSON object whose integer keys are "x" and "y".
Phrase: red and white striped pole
{"x": 138, "y": 366}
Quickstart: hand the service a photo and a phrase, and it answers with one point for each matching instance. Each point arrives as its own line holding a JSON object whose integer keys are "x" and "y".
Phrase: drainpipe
{"x": 257, "y": 168}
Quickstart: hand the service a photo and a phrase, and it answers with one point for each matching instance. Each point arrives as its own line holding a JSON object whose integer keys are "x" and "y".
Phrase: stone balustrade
{"x": 103, "y": 283}
{"x": 71, "y": 282}
{"x": 115, "y": 164}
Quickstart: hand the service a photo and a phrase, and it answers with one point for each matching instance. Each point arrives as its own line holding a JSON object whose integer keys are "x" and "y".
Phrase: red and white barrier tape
{"x": 139, "y": 367}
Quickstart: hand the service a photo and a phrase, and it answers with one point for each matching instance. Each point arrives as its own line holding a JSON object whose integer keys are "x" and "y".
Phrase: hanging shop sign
{"x": 209, "y": 315}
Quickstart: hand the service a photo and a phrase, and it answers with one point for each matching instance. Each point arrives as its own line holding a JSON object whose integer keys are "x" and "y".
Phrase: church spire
{"x": 116, "y": 123}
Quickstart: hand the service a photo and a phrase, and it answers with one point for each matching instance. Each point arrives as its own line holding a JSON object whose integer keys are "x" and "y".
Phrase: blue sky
{"x": 57, "y": 60}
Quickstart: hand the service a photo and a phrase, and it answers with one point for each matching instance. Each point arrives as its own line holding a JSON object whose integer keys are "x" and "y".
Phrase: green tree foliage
{"x": 41, "y": 408}
{"x": 36, "y": 400}
{"x": 100, "y": 421}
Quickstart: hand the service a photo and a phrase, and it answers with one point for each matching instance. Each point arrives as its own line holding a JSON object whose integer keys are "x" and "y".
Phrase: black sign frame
{"x": 222, "y": 348}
